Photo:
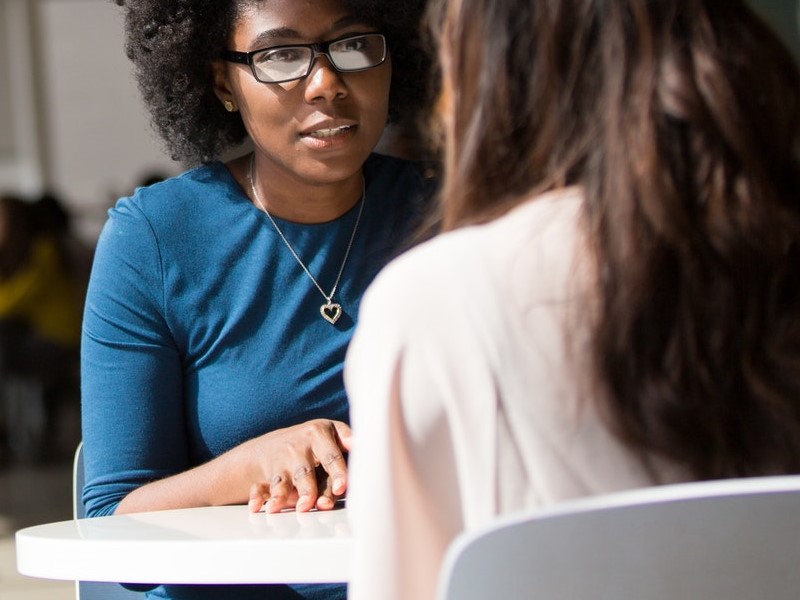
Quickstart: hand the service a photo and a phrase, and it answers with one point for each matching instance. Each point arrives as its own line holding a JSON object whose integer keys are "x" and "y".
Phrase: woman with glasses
{"x": 615, "y": 301}
{"x": 222, "y": 301}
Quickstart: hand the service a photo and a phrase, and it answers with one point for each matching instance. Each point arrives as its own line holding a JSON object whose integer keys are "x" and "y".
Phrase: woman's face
{"x": 319, "y": 129}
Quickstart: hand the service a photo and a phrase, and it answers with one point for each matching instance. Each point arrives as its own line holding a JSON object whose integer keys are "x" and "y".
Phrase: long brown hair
{"x": 680, "y": 119}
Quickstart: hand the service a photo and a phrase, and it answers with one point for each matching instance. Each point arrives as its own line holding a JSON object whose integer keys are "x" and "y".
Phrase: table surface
{"x": 222, "y": 544}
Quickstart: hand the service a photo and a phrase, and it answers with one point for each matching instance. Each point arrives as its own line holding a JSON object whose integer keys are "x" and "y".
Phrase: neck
{"x": 295, "y": 199}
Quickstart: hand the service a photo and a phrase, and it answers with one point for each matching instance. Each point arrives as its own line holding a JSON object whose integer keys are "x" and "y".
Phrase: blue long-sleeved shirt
{"x": 202, "y": 331}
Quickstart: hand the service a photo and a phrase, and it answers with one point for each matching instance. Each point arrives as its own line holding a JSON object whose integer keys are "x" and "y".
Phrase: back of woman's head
{"x": 542, "y": 83}
{"x": 681, "y": 121}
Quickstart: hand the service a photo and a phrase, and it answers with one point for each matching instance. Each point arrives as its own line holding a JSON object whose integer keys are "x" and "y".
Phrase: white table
{"x": 220, "y": 545}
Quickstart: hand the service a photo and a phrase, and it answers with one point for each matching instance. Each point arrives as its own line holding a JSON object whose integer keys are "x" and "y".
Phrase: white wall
{"x": 6, "y": 123}
{"x": 20, "y": 164}
{"x": 99, "y": 142}
{"x": 73, "y": 122}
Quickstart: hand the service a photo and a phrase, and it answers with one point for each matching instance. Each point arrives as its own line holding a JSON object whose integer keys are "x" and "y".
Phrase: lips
{"x": 328, "y": 132}
{"x": 327, "y": 127}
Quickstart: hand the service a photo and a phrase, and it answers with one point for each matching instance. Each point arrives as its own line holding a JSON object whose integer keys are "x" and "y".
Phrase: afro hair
{"x": 173, "y": 43}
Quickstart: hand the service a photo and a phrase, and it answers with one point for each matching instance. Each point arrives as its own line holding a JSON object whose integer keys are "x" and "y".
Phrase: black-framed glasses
{"x": 278, "y": 64}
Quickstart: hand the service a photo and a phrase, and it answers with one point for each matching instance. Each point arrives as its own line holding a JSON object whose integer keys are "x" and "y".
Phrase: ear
{"x": 222, "y": 87}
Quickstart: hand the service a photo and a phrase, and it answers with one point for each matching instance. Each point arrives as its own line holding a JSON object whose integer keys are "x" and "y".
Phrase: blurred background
{"x": 73, "y": 138}
{"x": 71, "y": 122}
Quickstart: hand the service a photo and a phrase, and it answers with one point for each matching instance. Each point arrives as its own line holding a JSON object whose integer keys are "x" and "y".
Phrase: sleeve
{"x": 131, "y": 386}
{"x": 403, "y": 498}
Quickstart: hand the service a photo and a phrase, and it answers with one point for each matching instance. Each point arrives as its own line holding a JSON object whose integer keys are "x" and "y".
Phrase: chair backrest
{"x": 732, "y": 540}
{"x": 92, "y": 590}
{"x": 78, "y": 510}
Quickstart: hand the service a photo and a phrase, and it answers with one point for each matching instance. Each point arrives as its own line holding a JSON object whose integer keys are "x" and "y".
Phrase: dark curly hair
{"x": 172, "y": 44}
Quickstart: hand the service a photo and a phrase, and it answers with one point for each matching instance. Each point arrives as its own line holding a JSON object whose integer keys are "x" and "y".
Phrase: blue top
{"x": 202, "y": 331}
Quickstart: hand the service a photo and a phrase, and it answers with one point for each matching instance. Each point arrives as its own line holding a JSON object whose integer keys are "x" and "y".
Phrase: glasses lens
{"x": 282, "y": 64}
{"x": 359, "y": 52}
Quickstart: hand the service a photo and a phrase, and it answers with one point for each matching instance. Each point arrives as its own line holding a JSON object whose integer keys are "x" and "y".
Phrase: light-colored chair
{"x": 733, "y": 540}
{"x": 92, "y": 590}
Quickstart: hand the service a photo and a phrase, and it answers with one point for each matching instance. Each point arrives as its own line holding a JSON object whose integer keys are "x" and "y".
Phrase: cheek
{"x": 375, "y": 96}
{"x": 260, "y": 107}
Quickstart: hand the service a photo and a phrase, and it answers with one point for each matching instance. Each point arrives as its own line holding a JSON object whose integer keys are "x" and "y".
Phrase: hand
{"x": 302, "y": 466}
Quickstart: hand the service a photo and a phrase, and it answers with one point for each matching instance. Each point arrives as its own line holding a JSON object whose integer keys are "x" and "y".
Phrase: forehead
{"x": 263, "y": 21}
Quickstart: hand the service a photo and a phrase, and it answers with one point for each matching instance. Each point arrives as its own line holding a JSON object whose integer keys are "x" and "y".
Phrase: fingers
{"x": 328, "y": 450}
{"x": 259, "y": 494}
{"x": 335, "y": 466}
{"x": 298, "y": 490}
{"x": 303, "y": 466}
{"x": 305, "y": 482}
{"x": 273, "y": 496}
{"x": 321, "y": 447}
{"x": 327, "y": 499}
{"x": 344, "y": 433}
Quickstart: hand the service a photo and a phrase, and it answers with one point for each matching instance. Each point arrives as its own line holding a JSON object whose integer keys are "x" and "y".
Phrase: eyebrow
{"x": 265, "y": 38}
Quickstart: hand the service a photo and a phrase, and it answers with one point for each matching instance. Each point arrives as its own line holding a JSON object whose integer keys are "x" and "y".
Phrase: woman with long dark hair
{"x": 616, "y": 301}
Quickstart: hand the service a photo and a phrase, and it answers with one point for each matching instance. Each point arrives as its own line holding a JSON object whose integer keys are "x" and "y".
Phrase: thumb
{"x": 344, "y": 433}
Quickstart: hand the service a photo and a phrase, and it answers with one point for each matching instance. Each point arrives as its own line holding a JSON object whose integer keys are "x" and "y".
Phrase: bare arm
{"x": 278, "y": 468}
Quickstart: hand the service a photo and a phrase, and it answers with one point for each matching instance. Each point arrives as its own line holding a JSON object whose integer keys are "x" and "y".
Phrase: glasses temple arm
{"x": 238, "y": 57}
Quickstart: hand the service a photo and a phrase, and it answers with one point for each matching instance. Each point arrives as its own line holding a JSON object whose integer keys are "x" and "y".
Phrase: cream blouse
{"x": 468, "y": 393}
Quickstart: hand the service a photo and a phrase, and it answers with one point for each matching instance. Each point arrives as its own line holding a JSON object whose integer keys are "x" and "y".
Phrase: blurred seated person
{"x": 40, "y": 309}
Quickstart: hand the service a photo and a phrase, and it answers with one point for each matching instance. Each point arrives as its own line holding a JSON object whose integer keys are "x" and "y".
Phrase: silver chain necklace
{"x": 330, "y": 311}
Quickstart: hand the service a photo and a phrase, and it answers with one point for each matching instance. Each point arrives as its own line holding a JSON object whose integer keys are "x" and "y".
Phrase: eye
{"x": 283, "y": 55}
{"x": 356, "y": 44}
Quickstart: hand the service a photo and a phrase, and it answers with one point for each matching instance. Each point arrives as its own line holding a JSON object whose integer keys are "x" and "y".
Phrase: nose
{"x": 324, "y": 81}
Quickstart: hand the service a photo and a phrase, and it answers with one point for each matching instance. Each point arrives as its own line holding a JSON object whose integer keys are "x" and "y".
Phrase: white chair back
{"x": 722, "y": 540}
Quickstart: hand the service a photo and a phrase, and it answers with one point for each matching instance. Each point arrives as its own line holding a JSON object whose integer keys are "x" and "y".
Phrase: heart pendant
{"x": 330, "y": 312}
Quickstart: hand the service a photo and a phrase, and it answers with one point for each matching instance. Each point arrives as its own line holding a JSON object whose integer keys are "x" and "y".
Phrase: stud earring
{"x": 229, "y": 106}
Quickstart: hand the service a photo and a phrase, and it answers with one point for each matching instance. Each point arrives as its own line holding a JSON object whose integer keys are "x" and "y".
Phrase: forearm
{"x": 279, "y": 467}
{"x": 223, "y": 480}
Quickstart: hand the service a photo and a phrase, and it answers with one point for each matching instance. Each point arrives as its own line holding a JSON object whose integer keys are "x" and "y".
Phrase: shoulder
{"x": 173, "y": 211}
{"x": 189, "y": 189}
{"x": 177, "y": 203}
{"x": 467, "y": 269}
{"x": 549, "y": 220}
